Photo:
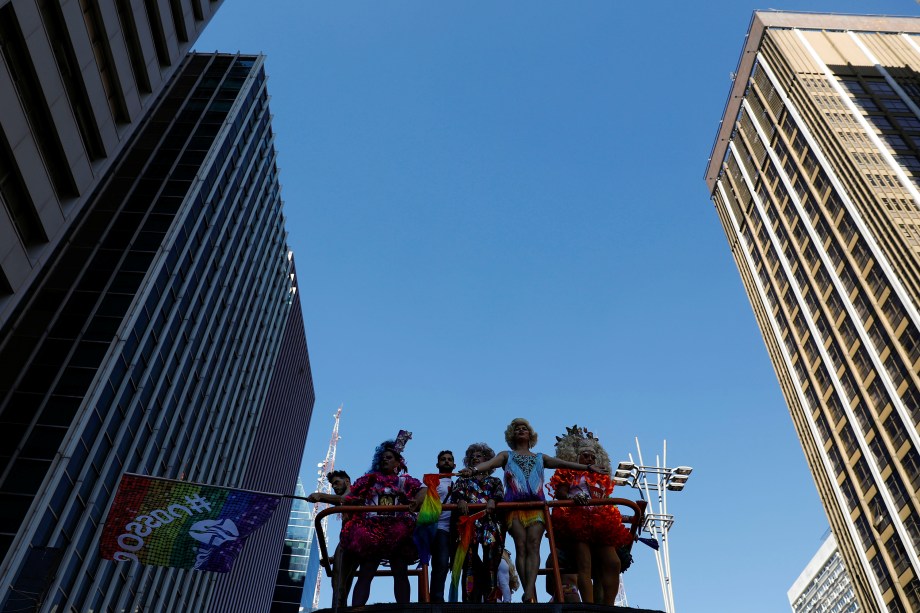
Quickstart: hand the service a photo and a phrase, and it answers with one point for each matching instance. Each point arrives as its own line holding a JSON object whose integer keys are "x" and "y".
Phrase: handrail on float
{"x": 635, "y": 521}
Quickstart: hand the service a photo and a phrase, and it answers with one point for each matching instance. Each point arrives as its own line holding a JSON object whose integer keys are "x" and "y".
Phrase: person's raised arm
{"x": 554, "y": 462}
{"x": 323, "y": 497}
{"x": 497, "y": 462}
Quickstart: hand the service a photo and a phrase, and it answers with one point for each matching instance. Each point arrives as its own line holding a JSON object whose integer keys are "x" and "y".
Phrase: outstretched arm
{"x": 497, "y": 462}
{"x": 322, "y": 497}
{"x": 554, "y": 462}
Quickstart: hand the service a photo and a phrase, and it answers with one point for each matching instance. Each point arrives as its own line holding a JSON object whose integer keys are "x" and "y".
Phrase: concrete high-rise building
{"x": 814, "y": 174}
{"x": 824, "y": 586}
{"x": 161, "y": 335}
{"x": 76, "y": 79}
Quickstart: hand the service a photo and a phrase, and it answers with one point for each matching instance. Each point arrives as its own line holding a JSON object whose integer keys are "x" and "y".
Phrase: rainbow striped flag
{"x": 426, "y": 524}
{"x": 181, "y": 524}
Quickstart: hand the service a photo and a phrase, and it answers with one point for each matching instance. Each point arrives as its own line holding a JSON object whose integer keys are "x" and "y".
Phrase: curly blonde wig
{"x": 576, "y": 440}
{"x": 487, "y": 453}
{"x": 509, "y": 431}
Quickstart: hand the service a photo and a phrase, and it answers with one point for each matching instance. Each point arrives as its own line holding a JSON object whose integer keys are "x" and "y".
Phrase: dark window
{"x": 898, "y": 555}
{"x": 74, "y": 85}
{"x": 100, "y": 42}
{"x": 156, "y": 29}
{"x": 22, "y": 70}
{"x": 136, "y": 55}
{"x": 14, "y": 194}
{"x": 178, "y": 20}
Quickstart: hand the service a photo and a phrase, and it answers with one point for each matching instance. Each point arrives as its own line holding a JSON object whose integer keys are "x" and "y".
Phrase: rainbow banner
{"x": 426, "y": 524}
{"x": 466, "y": 530}
{"x": 180, "y": 524}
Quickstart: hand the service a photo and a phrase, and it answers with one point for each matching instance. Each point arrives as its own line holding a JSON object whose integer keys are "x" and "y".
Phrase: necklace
{"x": 525, "y": 462}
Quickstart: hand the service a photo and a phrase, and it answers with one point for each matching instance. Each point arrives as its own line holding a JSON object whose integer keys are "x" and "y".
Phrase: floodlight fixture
{"x": 623, "y": 474}
{"x": 683, "y": 470}
{"x": 676, "y": 487}
{"x": 626, "y": 465}
{"x": 678, "y": 478}
{"x": 620, "y": 480}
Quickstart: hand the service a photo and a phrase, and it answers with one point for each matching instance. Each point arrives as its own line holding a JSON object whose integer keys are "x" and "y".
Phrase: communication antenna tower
{"x": 323, "y": 485}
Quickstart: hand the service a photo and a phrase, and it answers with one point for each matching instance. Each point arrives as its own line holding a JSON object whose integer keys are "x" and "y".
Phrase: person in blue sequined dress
{"x": 524, "y": 483}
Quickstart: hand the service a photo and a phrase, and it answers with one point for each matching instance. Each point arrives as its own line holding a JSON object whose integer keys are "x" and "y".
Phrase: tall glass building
{"x": 162, "y": 336}
{"x": 294, "y": 584}
{"x": 814, "y": 175}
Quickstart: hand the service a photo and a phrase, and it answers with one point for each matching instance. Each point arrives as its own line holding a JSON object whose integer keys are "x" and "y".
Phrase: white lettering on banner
{"x": 143, "y": 525}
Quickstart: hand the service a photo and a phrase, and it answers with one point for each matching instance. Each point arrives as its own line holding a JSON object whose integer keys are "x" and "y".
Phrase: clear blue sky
{"x": 498, "y": 210}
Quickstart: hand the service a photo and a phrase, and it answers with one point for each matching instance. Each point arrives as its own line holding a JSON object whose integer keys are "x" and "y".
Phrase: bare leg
{"x": 520, "y": 555}
{"x": 583, "y": 566}
{"x": 400, "y": 581}
{"x": 609, "y": 562}
{"x": 363, "y": 586}
{"x": 533, "y": 536}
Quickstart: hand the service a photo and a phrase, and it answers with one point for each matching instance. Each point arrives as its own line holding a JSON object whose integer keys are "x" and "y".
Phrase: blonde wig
{"x": 509, "y": 431}
{"x": 575, "y": 441}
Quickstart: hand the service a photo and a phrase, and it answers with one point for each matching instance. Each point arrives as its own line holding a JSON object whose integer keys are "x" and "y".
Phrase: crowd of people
{"x": 591, "y": 540}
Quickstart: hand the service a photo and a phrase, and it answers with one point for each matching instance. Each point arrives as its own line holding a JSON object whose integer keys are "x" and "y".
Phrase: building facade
{"x": 814, "y": 174}
{"x": 273, "y": 466}
{"x": 162, "y": 336}
{"x": 824, "y": 586}
{"x": 76, "y": 78}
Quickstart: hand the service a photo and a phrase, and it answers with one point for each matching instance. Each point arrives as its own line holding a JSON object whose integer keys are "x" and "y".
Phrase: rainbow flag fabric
{"x": 179, "y": 524}
{"x": 426, "y": 524}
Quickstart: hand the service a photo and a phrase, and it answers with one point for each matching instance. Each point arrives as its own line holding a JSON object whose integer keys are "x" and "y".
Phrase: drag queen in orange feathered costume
{"x": 590, "y": 534}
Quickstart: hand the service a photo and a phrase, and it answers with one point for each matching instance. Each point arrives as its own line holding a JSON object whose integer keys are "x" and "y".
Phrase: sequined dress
{"x": 475, "y": 491}
{"x": 381, "y": 534}
{"x": 524, "y": 483}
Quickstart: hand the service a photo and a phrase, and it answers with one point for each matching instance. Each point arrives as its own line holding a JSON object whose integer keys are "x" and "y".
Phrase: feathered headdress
{"x": 401, "y": 439}
{"x": 397, "y": 445}
{"x": 567, "y": 446}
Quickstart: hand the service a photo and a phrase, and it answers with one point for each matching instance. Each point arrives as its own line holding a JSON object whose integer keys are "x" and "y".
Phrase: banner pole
{"x": 225, "y": 487}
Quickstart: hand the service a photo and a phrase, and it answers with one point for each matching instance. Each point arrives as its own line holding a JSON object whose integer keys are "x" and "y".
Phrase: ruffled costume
{"x": 601, "y": 525}
{"x": 524, "y": 483}
{"x": 383, "y": 534}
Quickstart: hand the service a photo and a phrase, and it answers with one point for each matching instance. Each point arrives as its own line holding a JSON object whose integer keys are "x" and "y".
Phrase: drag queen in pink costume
{"x": 385, "y": 535}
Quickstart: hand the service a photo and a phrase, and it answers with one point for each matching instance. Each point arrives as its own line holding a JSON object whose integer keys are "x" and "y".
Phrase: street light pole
{"x": 658, "y": 521}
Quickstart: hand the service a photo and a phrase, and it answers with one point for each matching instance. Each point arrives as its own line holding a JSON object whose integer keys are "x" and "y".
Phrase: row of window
{"x": 112, "y": 437}
{"x": 165, "y": 451}
{"x": 861, "y": 256}
{"x": 203, "y": 413}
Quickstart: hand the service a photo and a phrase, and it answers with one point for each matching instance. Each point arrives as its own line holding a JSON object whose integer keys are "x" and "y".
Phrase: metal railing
{"x": 636, "y": 520}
